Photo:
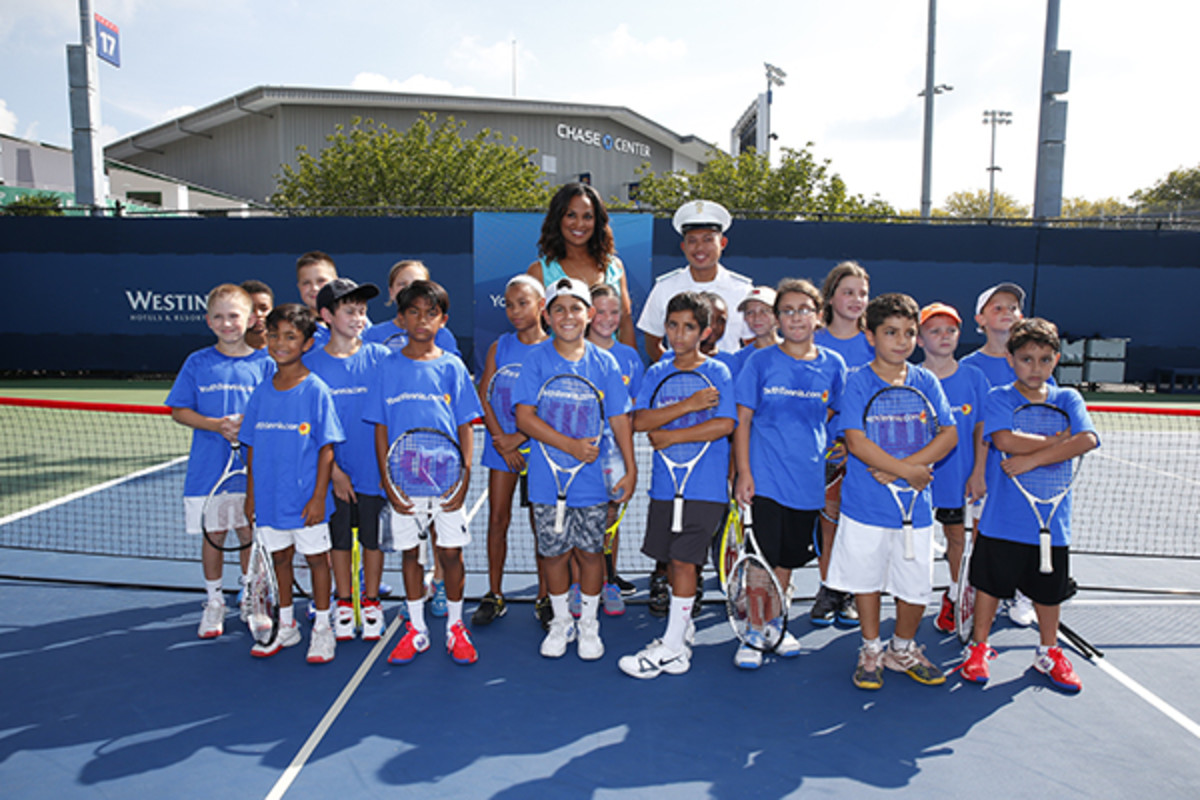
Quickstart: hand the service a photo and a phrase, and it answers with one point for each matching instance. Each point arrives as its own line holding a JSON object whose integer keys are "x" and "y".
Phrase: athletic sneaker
{"x": 789, "y": 646}
{"x": 212, "y": 621}
{"x": 562, "y": 633}
{"x": 655, "y": 659}
{"x": 614, "y": 604}
{"x": 402, "y": 609}
{"x": 372, "y": 616}
{"x": 974, "y": 667}
{"x": 322, "y": 646}
{"x": 847, "y": 612}
{"x": 438, "y": 605}
{"x": 747, "y": 657}
{"x": 243, "y": 604}
{"x": 625, "y": 586}
{"x": 825, "y": 607}
{"x": 660, "y": 596}
{"x": 1055, "y": 665}
{"x": 945, "y": 618}
{"x": 912, "y": 661}
{"x": 459, "y": 645}
{"x": 543, "y": 611}
{"x": 869, "y": 672}
{"x": 590, "y": 646}
{"x": 1021, "y": 611}
{"x": 385, "y": 589}
{"x": 491, "y": 607}
{"x": 698, "y": 602}
{"x": 575, "y": 600}
{"x": 287, "y": 637}
{"x": 343, "y": 621}
{"x": 414, "y": 642}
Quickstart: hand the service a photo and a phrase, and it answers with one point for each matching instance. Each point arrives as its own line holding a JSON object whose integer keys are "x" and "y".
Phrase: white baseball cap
{"x": 986, "y": 295}
{"x": 568, "y": 286}
{"x": 761, "y": 294}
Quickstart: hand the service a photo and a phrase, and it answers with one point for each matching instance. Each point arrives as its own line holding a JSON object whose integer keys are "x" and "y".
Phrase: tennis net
{"x": 107, "y": 479}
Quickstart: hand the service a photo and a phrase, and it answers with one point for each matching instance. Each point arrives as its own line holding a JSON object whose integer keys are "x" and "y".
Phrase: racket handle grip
{"x": 1047, "y": 565}
{"x": 560, "y": 511}
{"x": 677, "y": 515}
{"x": 524, "y": 483}
{"x": 909, "y": 554}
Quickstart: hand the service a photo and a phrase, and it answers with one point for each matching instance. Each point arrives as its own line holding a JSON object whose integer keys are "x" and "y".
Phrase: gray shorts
{"x": 583, "y": 528}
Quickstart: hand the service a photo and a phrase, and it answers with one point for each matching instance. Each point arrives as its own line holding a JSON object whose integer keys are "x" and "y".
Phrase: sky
{"x": 854, "y": 70}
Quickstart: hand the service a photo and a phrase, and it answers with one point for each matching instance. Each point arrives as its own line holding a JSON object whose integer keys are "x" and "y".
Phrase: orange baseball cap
{"x": 933, "y": 309}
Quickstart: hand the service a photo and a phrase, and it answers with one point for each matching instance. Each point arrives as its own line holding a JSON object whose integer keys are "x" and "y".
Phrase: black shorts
{"x": 785, "y": 535}
{"x": 949, "y": 516}
{"x": 701, "y": 522}
{"x": 370, "y": 506}
{"x": 1000, "y": 567}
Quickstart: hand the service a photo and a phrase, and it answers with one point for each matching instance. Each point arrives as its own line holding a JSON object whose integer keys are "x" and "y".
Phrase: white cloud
{"x": 8, "y": 120}
{"x": 417, "y": 84}
{"x": 620, "y": 43}
{"x": 108, "y": 134}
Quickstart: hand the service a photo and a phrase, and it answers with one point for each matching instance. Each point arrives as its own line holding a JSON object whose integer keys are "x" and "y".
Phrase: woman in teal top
{"x": 577, "y": 242}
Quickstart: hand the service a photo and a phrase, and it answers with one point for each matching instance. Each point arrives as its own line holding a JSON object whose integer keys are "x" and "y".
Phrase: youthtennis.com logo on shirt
{"x": 302, "y": 428}
{"x": 225, "y": 387}
{"x": 406, "y": 397}
{"x": 803, "y": 394}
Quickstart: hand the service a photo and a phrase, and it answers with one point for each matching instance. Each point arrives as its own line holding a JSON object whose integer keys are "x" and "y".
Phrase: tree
{"x": 1079, "y": 208}
{"x": 974, "y": 205}
{"x": 429, "y": 166}
{"x": 34, "y": 205}
{"x": 1178, "y": 191}
{"x": 799, "y": 186}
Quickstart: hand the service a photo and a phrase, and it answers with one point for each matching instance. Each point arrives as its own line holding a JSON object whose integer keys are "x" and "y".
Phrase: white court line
{"x": 1146, "y": 468}
{"x": 1172, "y": 713}
{"x": 310, "y": 745}
{"x": 100, "y": 487}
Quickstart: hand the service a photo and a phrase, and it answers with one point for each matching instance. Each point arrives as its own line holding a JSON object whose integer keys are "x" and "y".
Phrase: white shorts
{"x": 308, "y": 541}
{"x": 869, "y": 558}
{"x": 400, "y": 532}
{"x": 231, "y": 514}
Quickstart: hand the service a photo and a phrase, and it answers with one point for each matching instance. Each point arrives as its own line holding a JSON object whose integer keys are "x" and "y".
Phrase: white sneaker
{"x": 590, "y": 645}
{"x": 343, "y": 622}
{"x": 1021, "y": 611}
{"x": 212, "y": 621}
{"x": 747, "y": 658}
{"x": 562, "y": 633}
{"x": 286, "y": 637}
{"x": 689, "y": 633}
{"x": 322, "y": 646}
{"x": 372, "y": 614}
{"x": 654, "y": 659}
{"x": 789, "y": 646}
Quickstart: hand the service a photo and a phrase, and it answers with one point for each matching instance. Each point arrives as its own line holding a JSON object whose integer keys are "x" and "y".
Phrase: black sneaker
{"x": 491, "y": 607}
{"x": 544, "y": 612}
{"x": 660, "y": 596}
{"x": 698, "y": 602}
{"x": 847, "y": 613}
{"x": 625, "y": 586}
{"x": 825, "y": 607}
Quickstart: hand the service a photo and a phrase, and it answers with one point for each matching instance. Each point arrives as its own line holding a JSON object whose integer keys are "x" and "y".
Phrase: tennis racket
{"x": 755, "y": 602}
{"x": 610, "y": 538}
{"x": 356, "y": 568}
{"x": 499, "y": 397}
{"x": 900, "y": 420}
{"x": 571, "y": 405}
{"x": 964, "y": 598}
{"x": 1046, "y": 486}
{"x": 425, "y": 467}
{"x": 262, "y": 595}
{"x": 730, "y": 546}
{"x": 681, "y": 458}
{"x": 396, "y": 341}
{"x": 225, "y": 506}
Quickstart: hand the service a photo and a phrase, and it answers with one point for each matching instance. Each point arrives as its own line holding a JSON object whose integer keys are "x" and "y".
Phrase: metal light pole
{"x": 994, "y": 118}
{"x": 775, "y": 77}
{"x": 929, "y": 93}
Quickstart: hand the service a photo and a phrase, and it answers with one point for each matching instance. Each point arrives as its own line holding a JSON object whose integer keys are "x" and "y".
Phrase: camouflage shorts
{"x": 582, "y": 528}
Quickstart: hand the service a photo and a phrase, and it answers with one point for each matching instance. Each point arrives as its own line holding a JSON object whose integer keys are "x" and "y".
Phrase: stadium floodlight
{"x": 775, "y": 77}
{"x": 994, "y": 118}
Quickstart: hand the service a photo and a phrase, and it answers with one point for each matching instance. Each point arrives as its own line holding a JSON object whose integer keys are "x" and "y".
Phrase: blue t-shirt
{"x": 509, "y": 352}
{"x": 1007, "y": 514}
{"x": 710, "y": 477}
{"x": 865, "y": 499}
{"x": 287, "y": 431}
{"x": 854, "y": 351}
{"x": 380, "y": 334}
{"x": 632, "y": 370}
{"x": 214, "y": 385}
{"x": 995, "y": 368}
{"x": 965, "y": 390}
{"x": 407, "y": 394}
{"x": 791, "y": 399}
{"x": 598, "y": 366}
{"x": 739, "y": 358}
{"x": 348, "y": 380}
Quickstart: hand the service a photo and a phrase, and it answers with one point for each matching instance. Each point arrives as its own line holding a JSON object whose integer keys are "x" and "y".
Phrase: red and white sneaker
{"x": 459, "y": 645}
{"x": 414, "y": 642}
{"x": 945, "y": 618}
{"x": 1057, "y": 667}
{"x": 974, "y": 667}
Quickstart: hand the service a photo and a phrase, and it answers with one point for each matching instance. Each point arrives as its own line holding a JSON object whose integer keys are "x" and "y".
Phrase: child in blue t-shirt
{"x": 1007, "y": 553}
{"x": 758, "y": 310}
{"x": 422, "y": 386}
{"x": 706, "y": 493}
{"x": 868, "y": 552}
{"x": 569, "y": 310}
{"x": 209, "y": 395}
{"x": 289, "y": 431}
{"x": 392, "y": 333}
{"x": 785, "y": 396}
{"x": 347, "y": 366}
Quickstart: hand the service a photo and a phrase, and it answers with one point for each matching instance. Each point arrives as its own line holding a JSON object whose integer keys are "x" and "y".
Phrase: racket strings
{"x": 571, "y": 406}
{"x": 425, "y": 464}
{"x": 1050, "y": 480}
{"x": 500, "y": 397}
{"x": 757, "y": 604}
{"x": 676, "y": 388}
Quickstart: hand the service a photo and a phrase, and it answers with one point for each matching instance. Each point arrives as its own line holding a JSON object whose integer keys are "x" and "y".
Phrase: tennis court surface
{"x": 108, "y": 692}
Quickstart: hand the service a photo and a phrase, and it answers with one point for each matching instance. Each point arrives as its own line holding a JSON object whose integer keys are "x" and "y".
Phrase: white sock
{"x": 562, "y": 610}
{"x": 589, "y": 606}
{"x": 677, "y": 622}
{"x": 953, "y": 590}
{"x": 286, "y": 618}
{"x": 416, "y": 614}
{"x": 900, "y": 645}
{"x": 1042, "y": 650}
{"x": 872, "y": 644}
{"x": 453, "y": 613}
{"x": 213, "y": 589}
{"x": 321, "y": 620}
